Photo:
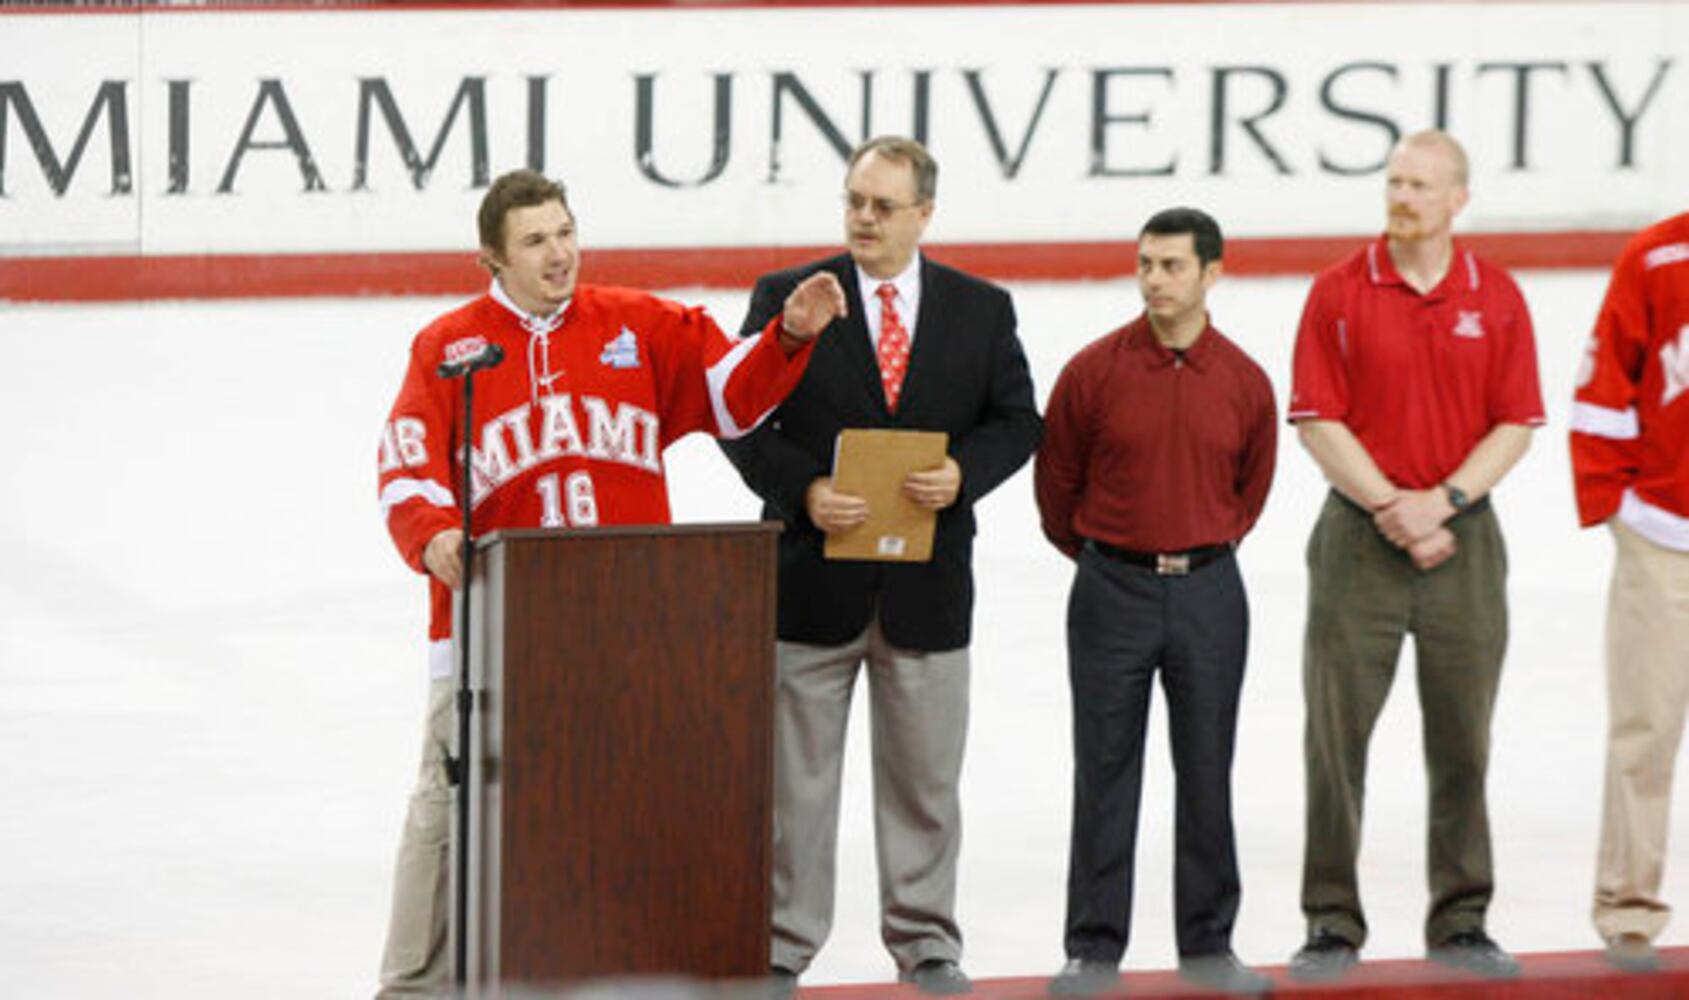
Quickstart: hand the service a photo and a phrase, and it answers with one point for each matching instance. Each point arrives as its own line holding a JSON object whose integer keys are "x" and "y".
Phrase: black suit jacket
{"x": 967, "y": 376}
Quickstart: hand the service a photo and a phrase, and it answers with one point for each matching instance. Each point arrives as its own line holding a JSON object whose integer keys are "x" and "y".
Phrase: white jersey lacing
{"x": 540, "y": 375}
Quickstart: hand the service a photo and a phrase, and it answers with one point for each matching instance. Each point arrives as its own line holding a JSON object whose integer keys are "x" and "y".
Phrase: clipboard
{"x": 872, "y": 464}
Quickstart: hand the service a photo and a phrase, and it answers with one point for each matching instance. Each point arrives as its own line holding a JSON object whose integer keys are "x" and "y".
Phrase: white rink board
{"x": 265, "y": 132}
{"x": 213, "y": 665}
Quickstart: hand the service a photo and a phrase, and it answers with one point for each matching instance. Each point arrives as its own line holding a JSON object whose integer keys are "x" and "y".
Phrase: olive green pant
{"x": 1364, "y": 597}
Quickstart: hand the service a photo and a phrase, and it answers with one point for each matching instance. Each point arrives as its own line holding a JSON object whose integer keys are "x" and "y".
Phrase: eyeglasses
{"x": 879, "y": 208}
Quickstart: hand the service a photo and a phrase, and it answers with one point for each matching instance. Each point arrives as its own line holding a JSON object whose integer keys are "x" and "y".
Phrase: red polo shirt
{"x": 1149, "y": 451}
{"x": 1419, "y": 379}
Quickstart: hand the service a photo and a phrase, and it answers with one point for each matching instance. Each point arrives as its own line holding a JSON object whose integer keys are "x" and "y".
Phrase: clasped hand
{"x": 1413, "y": 520}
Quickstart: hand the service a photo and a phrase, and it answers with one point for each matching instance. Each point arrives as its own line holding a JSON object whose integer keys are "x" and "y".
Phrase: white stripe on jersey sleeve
{"x": 440, "y": 659}
{"x": 1602, "y": 421}
{"x": 1656, "y": 524}
{"x": 717, "y": 376}
{"x": 398, "y": 491}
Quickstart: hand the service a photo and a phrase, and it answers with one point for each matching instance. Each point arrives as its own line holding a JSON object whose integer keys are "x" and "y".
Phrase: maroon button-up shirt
{"x": 1153, "y": 450}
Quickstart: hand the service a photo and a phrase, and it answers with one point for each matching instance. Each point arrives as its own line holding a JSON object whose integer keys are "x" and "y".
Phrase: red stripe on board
{"x": 1578, "y": 975}
{"x": 224, "y": 276}
{"x": 402, "y": 6}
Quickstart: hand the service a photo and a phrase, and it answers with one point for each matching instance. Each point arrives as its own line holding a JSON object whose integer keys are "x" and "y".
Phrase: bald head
{"x": 1425, "y": 188}
{"x": 1441, "y": 144}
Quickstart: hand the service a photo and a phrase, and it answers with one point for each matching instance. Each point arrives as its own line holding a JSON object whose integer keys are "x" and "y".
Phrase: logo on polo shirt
{"x": 1470, "y": 324}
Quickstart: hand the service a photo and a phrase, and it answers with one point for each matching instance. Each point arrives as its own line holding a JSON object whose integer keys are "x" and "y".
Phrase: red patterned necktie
{"x": 893, "y": 350}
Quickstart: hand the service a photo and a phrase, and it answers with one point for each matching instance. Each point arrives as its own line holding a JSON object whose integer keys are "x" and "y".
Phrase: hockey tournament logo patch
{"x": 1470, "y": 325}
{"x": 465, "y": 347}
{"x": 623, "y": 352}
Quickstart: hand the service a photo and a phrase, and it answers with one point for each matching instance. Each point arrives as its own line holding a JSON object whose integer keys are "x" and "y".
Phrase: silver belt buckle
{"x": 1175, "y": 564}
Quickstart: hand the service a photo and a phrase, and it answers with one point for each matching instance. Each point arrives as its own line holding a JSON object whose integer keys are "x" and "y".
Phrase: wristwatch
{"x": 1457, "y": 497}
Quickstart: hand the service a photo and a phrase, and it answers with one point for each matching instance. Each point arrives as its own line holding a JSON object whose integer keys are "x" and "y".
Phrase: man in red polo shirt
{"x": 1415, "y": 389}
{"x": 1158, "y": 452}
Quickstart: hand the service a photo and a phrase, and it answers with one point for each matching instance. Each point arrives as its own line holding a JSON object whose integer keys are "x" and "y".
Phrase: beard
{"x": 1404, "y": 226}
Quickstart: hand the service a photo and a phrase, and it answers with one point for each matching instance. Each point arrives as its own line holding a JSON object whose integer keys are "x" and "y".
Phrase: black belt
{"x": 1165, "y": 563}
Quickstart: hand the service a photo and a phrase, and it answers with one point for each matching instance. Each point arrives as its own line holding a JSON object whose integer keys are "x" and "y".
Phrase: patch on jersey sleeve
{"x": 623, "y": 352}
{"x": 463, "y": 347}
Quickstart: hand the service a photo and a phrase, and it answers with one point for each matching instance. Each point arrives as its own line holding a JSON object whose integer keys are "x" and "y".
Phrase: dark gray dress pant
{"x": 1125, "y": 624}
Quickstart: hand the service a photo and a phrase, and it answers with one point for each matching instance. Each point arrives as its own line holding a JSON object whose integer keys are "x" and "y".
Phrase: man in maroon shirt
{"x": 1157, "y": 456}
{"x": 1415, "y": 389}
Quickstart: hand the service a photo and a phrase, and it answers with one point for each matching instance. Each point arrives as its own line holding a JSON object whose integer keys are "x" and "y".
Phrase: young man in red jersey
{"x": 1158, "y": 452}
{"x": 569, "y": 432}
{"x": 1415, "y": 389}
{"x": 1630, "y": 464}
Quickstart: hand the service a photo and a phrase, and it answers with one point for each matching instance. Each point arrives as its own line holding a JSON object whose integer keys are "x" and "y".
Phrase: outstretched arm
{"x": 817, "y": 301}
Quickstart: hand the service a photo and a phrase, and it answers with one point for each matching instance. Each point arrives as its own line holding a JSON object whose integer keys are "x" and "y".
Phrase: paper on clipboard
{"x": 872, "y": 464}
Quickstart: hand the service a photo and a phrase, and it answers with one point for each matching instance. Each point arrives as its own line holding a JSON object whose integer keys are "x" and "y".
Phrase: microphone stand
{"x": 457, "y": 769}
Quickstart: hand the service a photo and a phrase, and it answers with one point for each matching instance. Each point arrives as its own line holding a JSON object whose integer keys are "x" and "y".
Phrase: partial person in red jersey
{"x": 1630, "y": 465}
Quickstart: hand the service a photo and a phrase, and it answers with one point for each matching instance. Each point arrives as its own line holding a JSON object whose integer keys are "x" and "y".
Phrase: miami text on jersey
{"x": 509, "y": 445}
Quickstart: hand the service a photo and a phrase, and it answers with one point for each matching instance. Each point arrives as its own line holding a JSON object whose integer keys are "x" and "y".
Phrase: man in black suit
{"x": 921, "y": 347}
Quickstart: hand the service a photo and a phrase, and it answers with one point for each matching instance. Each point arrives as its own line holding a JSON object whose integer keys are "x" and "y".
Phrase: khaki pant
{"x": 918, "y": 719}
{"x": 1647, "y": 691}
{"x": 1364, "y": 597}
{"x": 415, "y": 963}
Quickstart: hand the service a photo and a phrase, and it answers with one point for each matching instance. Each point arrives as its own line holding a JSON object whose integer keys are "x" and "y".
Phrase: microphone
{"x": 487, "y": 357}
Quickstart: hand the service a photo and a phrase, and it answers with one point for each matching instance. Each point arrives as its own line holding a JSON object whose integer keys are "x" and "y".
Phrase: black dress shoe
{"x": 1474, "y": 952}
{"x": 1323, "y": 956}
{"x": 939, "y": 977}
{"x": 1221, "y": 972}
{"x": 1085, "y": 977}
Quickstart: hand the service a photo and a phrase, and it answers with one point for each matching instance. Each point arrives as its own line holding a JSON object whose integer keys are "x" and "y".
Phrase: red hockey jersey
{"x": 570, "y": 428}
{"x": 1630, "y": 415}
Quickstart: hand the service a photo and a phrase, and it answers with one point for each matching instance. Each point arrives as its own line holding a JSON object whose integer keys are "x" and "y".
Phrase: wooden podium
{"x": 622, "y": 776}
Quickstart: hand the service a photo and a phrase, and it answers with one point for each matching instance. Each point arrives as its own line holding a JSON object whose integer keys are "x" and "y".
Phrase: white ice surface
{"x": 212, "y": 669}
